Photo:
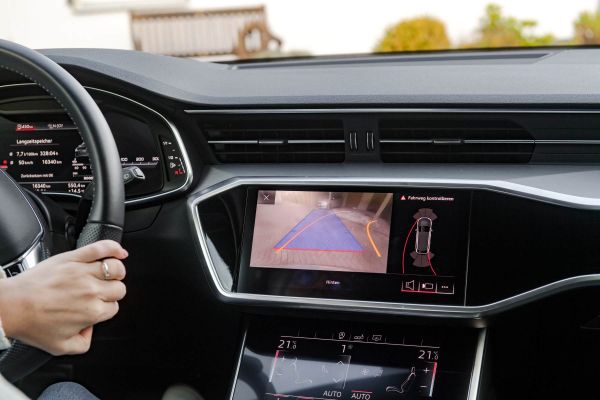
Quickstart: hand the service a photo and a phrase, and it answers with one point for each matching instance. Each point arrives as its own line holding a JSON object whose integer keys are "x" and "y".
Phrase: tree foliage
{"x": 422, "y": 33}
{"x": 587, "y": 28}
{"x": 498, "y": 30}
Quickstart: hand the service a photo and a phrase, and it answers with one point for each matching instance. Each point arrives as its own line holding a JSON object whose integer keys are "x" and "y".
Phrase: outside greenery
{"x": 495, "y": 30}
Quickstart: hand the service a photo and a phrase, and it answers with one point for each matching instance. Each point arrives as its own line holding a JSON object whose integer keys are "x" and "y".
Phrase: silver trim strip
{"x": 290, "y": 141}
{"x": 29, "y": 259}
{"x": 324, "y": 141}
{"x": 271, "y": 142}
{"x": 474, "y": 110}
{"x": 498, "y": 186}
{"x": 500, "y": 141}
{"x": 39, "y": 235}
{"x": 170, "y": 125}
{"x": 559, "y": 141}
{"x": 477, "y": 367}
{"x": 233, "y": 142}
{"x": 239, "y": 362}
{"x": 407, "y": 141}
{"x": 370, "y": 141}
{"x": 452, "y": 142}
{"x": 472, "y": 312}
{"x": 495, "y": 141}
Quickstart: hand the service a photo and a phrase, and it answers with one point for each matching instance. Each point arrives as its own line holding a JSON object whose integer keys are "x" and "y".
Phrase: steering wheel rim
{"x": 107, "y": 213}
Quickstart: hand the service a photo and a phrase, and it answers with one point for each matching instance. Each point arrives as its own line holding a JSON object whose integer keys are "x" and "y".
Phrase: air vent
{"x": 274, "y": 140}
{"x": 454, "y": 140}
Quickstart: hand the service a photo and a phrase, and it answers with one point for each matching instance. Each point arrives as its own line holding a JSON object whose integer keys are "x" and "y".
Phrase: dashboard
{"x": 345, "y": 234}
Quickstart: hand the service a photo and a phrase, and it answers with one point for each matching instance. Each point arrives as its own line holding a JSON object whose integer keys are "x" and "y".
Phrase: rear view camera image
{"x": 334, "y": 231}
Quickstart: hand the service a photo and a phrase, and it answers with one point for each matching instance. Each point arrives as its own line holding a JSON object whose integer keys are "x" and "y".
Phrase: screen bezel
{"x": 355, "y": 285}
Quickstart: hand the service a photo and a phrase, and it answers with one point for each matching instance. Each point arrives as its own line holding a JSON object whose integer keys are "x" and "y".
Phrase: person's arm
{"x": 54, "y": 305}
{"x": 4, "y": 341}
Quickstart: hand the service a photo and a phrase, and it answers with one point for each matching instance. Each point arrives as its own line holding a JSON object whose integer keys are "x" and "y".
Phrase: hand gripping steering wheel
{"x": 22, "y": 229}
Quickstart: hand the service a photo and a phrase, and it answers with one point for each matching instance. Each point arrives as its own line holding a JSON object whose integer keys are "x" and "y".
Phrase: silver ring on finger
{"x": 105, "y": 270}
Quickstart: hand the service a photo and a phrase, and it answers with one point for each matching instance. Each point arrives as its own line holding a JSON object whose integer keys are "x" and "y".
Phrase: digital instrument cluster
{"x": 405, "y": 245}
{"x": 50, "y": 156}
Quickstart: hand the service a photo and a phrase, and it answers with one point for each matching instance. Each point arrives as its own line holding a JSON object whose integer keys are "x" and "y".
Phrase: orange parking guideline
{"x": 371, "y": 239}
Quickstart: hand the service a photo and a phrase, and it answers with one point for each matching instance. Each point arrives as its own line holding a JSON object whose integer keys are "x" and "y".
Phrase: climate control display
{"x": 349, "y": 362}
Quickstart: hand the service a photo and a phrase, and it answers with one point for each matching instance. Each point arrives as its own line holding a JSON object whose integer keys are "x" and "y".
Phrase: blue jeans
{"x": 67, "y": 391}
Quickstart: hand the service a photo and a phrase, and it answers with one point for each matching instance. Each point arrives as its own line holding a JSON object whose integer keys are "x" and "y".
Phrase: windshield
{"x": 247, "y": 30}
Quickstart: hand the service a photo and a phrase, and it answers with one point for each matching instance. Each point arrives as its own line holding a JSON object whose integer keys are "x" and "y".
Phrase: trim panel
{"x": 239, "y": 111}
{"x": 463, "y": 312}
{"x": 239, "y": 361}
{"x": 477, "y": 367}
{"x": 178, "y": 139}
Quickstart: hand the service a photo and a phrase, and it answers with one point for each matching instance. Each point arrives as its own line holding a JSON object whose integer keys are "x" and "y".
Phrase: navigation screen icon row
{"x": 430, "y": 286}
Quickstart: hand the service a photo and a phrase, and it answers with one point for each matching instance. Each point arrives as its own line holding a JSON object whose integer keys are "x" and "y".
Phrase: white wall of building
{"x": 316, "y": 26}
{"x": 52, "y": 23}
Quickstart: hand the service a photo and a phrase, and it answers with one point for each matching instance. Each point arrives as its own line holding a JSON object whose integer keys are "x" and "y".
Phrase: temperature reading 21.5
{"x": 287, "y": 344}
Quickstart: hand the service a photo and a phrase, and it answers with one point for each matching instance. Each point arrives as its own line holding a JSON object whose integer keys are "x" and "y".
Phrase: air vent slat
{"x": 454, "y": 140}
{"x": 275, "y": 140}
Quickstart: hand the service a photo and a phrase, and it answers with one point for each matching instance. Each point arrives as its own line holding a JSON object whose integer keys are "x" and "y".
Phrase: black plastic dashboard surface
{"x": 550, "y": 76}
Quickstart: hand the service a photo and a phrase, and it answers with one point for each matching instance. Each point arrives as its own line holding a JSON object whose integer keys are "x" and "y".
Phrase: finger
{"x": 112, "y": 291}
{"x": 115, "y": 269}
{"x": 81, "y": 342}
{"x": 87, "y": 332}
{"x": 107, "y": 311}
{"x": 77, "y": 344}
{"x": 97, "y": 251}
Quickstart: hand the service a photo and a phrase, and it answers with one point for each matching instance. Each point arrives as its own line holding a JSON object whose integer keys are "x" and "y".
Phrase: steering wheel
{"x": 22, "y": 227}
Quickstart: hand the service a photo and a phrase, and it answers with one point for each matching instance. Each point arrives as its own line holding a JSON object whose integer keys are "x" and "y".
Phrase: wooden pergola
{"x": 241, "y": 32}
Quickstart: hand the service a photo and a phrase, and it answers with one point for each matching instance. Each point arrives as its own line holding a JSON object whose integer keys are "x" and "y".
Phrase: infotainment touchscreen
{"x": 401, "y": 245}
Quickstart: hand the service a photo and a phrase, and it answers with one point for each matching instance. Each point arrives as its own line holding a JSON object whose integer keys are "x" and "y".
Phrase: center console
{"x": 448, "y": 257}
{"x": 306, "y": 360}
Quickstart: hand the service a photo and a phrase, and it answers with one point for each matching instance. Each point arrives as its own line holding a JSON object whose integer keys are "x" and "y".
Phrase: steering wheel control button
{"x": 176, "y": 169}
{"x": 131, "y": 174}
{"x": 13, "y": 270}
